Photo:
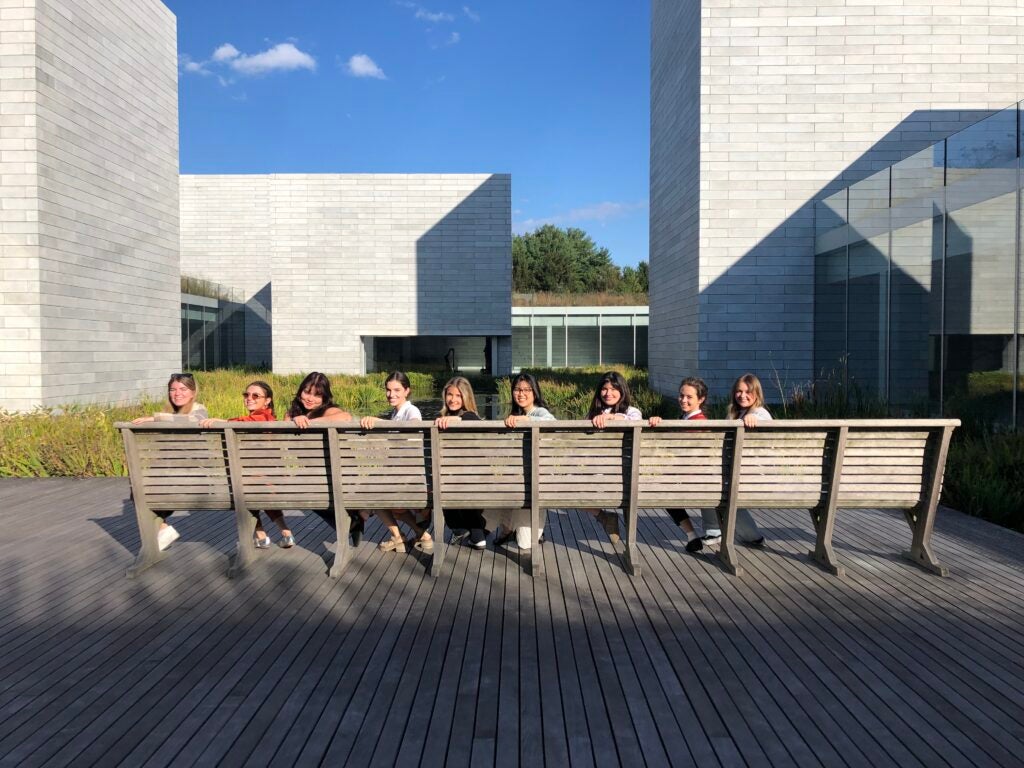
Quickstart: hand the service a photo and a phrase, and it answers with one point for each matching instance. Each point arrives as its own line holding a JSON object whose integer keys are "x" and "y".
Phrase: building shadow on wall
{"x": 463, "y": 288}
{"x": 779, "y": 273}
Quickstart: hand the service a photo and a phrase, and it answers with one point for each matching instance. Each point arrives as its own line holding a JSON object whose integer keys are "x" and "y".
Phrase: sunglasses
{"x": 183, "y": 375}
{"x": 249, "y": 396}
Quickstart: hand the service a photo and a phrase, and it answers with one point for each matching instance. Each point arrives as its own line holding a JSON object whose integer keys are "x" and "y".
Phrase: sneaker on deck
{"x": 167, "y": 536}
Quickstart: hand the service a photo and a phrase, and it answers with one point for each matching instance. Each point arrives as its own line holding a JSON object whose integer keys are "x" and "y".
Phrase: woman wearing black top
{"x": 460, "y": 405}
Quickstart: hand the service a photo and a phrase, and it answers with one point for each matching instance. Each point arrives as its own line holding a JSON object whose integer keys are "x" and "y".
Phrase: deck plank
{"x": 587, "y": 666}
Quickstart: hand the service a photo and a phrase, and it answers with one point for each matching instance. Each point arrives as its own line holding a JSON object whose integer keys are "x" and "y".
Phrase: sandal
{"x": 425, "y": 545}
{"x": 392, "y": 545}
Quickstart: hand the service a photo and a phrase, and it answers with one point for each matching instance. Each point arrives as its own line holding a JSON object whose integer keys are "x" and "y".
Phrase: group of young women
{"x": 612, "y": 401}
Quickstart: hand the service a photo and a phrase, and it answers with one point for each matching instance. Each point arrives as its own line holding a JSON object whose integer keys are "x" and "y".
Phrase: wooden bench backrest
{"x": 887, "y": 467}
{"x": 179, "y": 469}
{"x": 588, "y": 468}
{"x": 484, "y": 467}
{"x": 886, "y": 463}
{"x": 282, "y": 470}
{"x": 384, "y": 469}
{"x": 686, "y": 464}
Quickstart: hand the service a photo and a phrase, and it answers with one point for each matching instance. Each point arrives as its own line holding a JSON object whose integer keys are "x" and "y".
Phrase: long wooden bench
{"x": 822, "y": 466}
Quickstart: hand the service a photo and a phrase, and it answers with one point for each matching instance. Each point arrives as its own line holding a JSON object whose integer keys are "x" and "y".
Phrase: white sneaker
{"x": 524, "y": 537}
{"x": 167, "y": 536}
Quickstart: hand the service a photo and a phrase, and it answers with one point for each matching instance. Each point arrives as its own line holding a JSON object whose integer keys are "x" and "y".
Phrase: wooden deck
{"x": 785, "y": 665}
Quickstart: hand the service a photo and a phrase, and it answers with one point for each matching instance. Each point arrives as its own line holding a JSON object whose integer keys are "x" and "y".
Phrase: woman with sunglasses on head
{"x": 181, "y": 406}
{"x": 258, "y": 399}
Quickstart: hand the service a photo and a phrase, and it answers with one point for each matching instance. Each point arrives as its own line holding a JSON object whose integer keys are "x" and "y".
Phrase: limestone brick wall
{"x": 796, "y": 99}
{"x": 96, "y": 110}
{"x": 355, "y": 255}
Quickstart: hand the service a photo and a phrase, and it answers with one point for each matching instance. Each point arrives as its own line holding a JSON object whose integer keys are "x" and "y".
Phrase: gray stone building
{"x": 354, "y": 272}
{"x": 89, "y": 272}
{"x": 760, "y": 109}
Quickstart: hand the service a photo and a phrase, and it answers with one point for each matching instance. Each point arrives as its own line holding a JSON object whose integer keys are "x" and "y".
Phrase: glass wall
{"x": 573, "y": 337}
{"x": 212, "y": 333}
{"x": 918, "y": 278}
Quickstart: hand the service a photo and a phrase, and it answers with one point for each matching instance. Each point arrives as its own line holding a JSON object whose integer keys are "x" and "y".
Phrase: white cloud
{"x": 226, "y": 52}
{"x": 473, "y": 15}
{"x": 361, "y": 65}
{"x": 432, "y": 16}
{"x": 283, "y": 57}
{"x": 453, "y": 38}
{"x": 599, "y": 212}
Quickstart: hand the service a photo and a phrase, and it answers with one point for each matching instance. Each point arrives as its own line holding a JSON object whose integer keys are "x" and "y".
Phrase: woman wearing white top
{"x": 527, "y": 404}
{"x": 611, "y": 403}
{"x": 397, "y": 389}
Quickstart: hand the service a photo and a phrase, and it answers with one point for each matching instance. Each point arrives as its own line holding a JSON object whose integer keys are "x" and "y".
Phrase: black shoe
{"x": 355, "y": 530}
{"x": 477, "y": 538}
{"x": 694, "y": 545}
{"x": 757, "y": 543}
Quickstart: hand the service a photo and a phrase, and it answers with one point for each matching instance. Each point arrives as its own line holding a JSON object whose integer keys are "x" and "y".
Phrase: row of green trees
{"x": 560, "y": 260}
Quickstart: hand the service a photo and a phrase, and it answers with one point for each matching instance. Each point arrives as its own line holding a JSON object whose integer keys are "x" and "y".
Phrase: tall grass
{"x": 80, "y": 440}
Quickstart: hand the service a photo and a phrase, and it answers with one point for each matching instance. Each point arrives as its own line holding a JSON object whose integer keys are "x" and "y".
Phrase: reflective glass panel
{"x": 830, "y": 283}
{"x": 868, "y": 294}
{"x": 981, "y": 269}
{"x": 915, "y": 305}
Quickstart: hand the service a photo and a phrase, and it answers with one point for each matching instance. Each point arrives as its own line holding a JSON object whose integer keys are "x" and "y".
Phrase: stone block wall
{"x": 796, "y": 98}
{"x": 89, "y": 272}
{"x": 356, "y": 255}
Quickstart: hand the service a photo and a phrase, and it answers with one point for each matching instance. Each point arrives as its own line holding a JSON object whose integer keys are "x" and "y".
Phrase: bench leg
{"x": 535, "y": 564}
{"x": 440, "y": 546}
{"x": 921, "y": 553}
{"x": 822, "y": 552}
{"x": 727, "y": 552}
{"x": 343, "y": 529}
{"x": 245, "y": 550}
{"x": 149, "y": 553}
{"x": 632, "y": 566}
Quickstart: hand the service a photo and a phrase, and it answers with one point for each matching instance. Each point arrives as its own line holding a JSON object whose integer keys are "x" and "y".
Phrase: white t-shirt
{"x": 631, "y": 414}
{"x": 408, "y": 412}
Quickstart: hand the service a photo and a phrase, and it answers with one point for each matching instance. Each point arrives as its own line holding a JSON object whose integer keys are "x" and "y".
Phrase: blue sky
{"x": 555, "y": 93}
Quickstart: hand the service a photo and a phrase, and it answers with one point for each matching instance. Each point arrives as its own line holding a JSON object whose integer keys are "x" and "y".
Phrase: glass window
{"x": 981, "y": 269}
{"x": 915, "y": 306}
{"x": 830, "y": 284}
{"x": 868, "y": 295}
{"x": 583, "y": 340}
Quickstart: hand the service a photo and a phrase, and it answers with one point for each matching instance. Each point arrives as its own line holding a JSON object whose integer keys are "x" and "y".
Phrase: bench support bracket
{"x": 149, "y": 522}
{"x": 921, "y": 518}
{"x": 824, "y": 515}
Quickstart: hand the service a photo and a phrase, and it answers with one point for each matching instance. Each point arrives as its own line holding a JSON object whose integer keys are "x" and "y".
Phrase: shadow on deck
{"x": 684, "y": 665}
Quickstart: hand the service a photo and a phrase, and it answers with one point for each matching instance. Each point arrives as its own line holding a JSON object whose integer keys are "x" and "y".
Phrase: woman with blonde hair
{"x": 468, "y": 525}
{"x": 181, "y": 406}
{"x": 746, "y": 402}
